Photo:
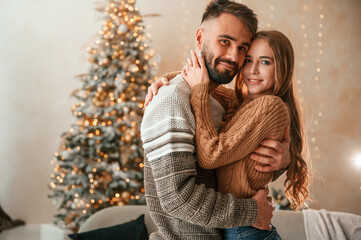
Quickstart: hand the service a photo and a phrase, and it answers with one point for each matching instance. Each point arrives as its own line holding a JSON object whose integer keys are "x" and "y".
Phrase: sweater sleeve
{"x": 228, "y": 99}
{"x": 168, "y": 141}
{"x": 262, "y": 118}
{"x": 223, "y": 95}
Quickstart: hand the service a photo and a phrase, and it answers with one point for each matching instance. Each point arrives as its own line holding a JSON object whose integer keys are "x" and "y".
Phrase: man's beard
{"x": 214, "y": 74}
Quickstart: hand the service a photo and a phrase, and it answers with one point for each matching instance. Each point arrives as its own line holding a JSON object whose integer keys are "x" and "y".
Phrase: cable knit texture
{"x": 180, "y": 195}
{"x": 229, "y": 150}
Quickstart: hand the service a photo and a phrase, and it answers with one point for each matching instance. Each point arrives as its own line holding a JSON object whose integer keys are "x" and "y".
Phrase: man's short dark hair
{"x": 246, "y": 15}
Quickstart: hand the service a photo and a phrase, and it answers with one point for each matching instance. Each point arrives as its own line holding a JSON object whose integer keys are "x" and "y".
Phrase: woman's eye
{"x": 247, "y": 60}
{"x": 266, "y": 62}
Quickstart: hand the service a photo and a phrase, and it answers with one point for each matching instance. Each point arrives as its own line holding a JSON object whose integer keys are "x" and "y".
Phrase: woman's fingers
{"x": 201, "y": 61}
{"x": 184, "y": 72}
{"x": 148, "y": 98}
{"x": 164, "y": 80}
{"x": 153, "y": 89}
{"x": 185, "y": 69}
{"x": 158, "y": 84}
{"x": 195, "y": 60}
{"x": 189, "y": 62}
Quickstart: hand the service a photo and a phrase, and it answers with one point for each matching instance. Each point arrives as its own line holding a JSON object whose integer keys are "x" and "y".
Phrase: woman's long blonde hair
{"x": 296, "y": 184}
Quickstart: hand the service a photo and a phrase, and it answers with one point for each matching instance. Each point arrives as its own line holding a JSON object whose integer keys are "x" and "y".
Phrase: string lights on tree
{"x": 100, "y": 162}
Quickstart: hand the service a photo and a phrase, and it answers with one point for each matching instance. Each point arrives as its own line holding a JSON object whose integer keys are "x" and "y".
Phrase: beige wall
{"x": 42, "y": 46}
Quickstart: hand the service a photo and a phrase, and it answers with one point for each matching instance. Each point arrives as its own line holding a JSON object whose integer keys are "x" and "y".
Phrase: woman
{"x": 261, "y": 108}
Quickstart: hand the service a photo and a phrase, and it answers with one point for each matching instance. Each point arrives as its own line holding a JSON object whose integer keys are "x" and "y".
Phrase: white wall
{"x": 42, "y": 48}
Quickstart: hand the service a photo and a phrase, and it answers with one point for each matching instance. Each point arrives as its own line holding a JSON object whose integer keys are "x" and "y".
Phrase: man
{"x": 180, "y": 195}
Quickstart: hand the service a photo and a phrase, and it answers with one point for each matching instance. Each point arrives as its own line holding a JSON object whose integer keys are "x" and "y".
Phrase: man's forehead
{"x": 227, "y": 26}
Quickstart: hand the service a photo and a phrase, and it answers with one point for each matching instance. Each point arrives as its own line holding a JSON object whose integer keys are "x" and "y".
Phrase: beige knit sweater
{"x": 229, "y": 150}
{"x": 180, "y": 195}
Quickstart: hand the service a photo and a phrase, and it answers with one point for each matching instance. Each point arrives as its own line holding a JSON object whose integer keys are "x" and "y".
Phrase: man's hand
{"x": 273, "y": 153}
{"x": 265, "y": 210}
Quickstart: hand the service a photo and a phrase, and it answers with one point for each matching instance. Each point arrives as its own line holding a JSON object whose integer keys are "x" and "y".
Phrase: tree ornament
{"x": 126, "y": 196}
{"x": 123, "y": 28}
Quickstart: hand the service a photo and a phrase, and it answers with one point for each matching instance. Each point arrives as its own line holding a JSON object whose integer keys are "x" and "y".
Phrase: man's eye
{"x": 224, "y": 42}
{"x": 242, "y": 49}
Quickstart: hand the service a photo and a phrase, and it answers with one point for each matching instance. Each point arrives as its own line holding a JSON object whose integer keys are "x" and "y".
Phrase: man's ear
{"x": 199, "y": 38}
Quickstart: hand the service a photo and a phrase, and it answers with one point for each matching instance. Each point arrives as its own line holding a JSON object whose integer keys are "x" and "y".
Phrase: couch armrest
{"x": 289, "y": 224}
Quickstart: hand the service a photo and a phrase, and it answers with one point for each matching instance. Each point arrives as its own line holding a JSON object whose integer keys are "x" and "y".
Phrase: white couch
{"x": 289, "y": 224}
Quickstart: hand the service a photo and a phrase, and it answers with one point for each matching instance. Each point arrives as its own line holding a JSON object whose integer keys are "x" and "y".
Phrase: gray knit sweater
{"x": 180, "y": 195}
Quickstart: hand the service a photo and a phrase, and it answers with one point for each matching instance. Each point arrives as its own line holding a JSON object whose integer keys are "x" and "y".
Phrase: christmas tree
{"x": 100, "y": 161}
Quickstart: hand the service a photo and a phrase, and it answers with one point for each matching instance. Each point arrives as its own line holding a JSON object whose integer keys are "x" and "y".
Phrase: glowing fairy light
{"x": 308, "y": 46}
{"x": 184, "y": 31}
{"x": 357, "y": 160}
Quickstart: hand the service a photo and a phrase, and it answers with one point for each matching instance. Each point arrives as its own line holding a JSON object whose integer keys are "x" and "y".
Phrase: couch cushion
{"x": 116, "y": 215}
{"x": 132, "y": 230}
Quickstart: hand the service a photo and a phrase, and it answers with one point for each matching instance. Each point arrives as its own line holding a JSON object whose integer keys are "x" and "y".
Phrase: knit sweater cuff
{"x": 200, "y": 89}
{"x": 251, "y": 211}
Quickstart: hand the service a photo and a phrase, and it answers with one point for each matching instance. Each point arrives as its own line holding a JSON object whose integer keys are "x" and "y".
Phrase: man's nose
{"x": 232, "y": 54}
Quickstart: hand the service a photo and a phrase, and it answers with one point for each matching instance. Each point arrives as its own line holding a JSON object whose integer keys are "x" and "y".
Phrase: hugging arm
{"x": 272, "y": 156}
{"x": 153, "y": 88}
{"x": 228, "y": 99}
{"x": 263, "y": 118}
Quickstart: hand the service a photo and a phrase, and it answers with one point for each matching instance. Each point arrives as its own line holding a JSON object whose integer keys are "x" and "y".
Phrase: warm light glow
{"x": 357, "y": 159}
